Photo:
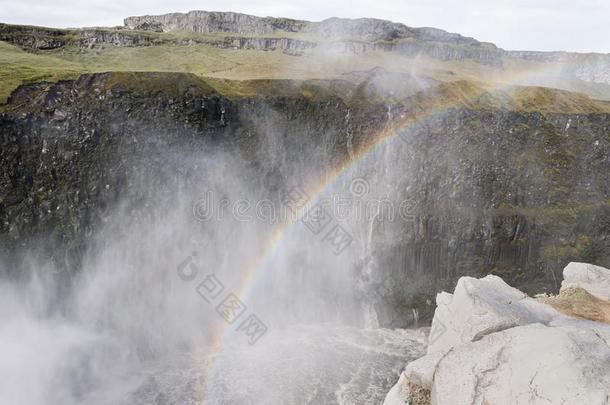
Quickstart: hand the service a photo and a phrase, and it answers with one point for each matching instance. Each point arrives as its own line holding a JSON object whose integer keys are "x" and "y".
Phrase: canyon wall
{"x": 514, "y": 193}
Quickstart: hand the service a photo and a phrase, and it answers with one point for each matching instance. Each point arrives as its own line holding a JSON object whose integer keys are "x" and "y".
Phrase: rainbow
{"x": 271, "y": 244}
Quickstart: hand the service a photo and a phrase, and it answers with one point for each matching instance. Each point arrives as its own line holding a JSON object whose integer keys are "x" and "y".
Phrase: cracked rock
{"x": 492, "y": 344}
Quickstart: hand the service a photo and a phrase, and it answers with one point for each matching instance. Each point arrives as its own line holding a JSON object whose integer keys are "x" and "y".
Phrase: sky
{"x": 545, "y": 25}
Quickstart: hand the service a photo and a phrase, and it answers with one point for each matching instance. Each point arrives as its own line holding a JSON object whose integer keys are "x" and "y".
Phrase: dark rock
{"x": 519, "y": 194}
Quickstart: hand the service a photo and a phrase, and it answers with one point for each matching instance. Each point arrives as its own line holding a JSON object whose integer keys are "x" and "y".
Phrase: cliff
{"x": 496, "y": 184}
{"x": 210, "y": 22}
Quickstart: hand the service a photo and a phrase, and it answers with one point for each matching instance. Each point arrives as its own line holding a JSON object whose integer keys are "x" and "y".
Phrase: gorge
{"x": 166, "y": 183}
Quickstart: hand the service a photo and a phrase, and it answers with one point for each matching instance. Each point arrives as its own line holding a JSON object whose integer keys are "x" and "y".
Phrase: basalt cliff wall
{"x": 518, "y": 193}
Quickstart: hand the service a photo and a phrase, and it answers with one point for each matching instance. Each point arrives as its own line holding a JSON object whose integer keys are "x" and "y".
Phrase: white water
{"x": 126, "y": 328}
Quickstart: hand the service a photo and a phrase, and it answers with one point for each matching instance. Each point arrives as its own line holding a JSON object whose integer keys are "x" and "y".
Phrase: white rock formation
{"x": 594, "y": 279}
{"x": 532, "y": 364}
{"x": 491, "y": 344}
{"x": 479, "y": 307}
{"x": 415, "y": 382}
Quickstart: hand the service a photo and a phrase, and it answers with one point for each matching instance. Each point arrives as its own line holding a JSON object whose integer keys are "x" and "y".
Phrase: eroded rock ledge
{"x": 492, "y": 344}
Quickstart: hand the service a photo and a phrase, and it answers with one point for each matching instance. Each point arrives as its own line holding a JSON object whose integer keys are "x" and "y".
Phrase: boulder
{"x": 479, "y": 307}
{"x": 532, "y": 364}
{"x": 492, "y": 344}
{"x": 594, "y": 279}
{"x": 566, "y": 362}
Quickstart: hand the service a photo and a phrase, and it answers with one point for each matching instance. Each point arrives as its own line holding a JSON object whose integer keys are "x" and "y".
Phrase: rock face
{"x": 288, "y": 45}
{"x": 70, "y": 143}
{"x": 489, "y": 343}
{"x": 51, "y": 38}
{"x": 90, "y": 131}
{"x": 345, "y": 35}
{"x": 591, "y": 67}
{"x": 366, "y": 29}
{"x": 489, "y": 189}
{"x": 594, "y": 279}
{"x": 249, "y": 32}
{"x": 209, "y": 22}
{"x": 449, "y": 169}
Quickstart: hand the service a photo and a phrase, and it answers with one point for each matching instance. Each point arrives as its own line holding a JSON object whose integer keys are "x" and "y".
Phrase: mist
{"x": 136, "y": 296}
{"x": 175, "y": 238}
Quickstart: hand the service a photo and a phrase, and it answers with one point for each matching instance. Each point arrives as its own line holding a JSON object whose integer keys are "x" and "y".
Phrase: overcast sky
{"x": 573, "y": 25}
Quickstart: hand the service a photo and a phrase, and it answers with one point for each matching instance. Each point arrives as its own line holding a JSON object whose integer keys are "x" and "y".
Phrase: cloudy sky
{"x": 571, "y": 25}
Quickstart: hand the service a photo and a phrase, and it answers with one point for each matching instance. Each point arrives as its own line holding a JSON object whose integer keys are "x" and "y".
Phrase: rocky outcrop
{"x": 33, "y": 37}
{"x": 479, "y": 307}
{"x": 365, "y": 29}
{"x": 364, "y": 34}
{"x": 438, "y": 50}
{"x": 288, "y": 45}
{"x": 594, "y": 279}
{"x": 206, "y": 22}
{"x": 489, "y": 343}
{"x": 334, "y": 34}
{"x": 532, "y": 364}
{"x": 48, "y": 38}
{"x": 147, "y": 34}
{"x": 295, "y": 36}
{"x": 588, "y": 67}
{"x": 594, "y": 69}
{"x": 51, "y": 38}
